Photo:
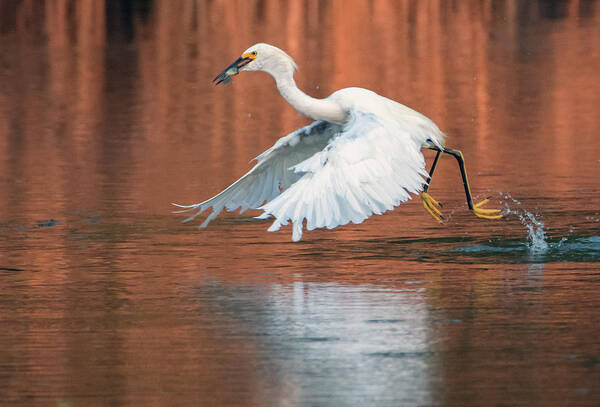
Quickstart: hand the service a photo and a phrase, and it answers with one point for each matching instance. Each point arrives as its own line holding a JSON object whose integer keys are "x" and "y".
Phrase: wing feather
{"x": 271, "y": 174}
{"x": 370, "y": 167}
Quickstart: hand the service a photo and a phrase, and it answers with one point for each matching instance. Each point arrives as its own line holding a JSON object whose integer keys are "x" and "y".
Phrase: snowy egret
{"x": 361, "y": 156}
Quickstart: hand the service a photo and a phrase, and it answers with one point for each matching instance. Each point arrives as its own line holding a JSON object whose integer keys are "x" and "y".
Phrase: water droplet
{"x": 535, "y": 228}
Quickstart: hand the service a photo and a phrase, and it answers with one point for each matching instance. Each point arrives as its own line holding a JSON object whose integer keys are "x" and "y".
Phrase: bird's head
{"x": 259, "y": 57}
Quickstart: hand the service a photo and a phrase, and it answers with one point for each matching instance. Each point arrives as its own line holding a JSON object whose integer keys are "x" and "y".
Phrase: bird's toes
{"x": 477, "y": 205}
{"x": 430, "y": 200}
{"x": 484, "y": 212}
{"x": 484, "y": 216}
{"x": 432, "y": 206}
{"x": 488, "y": 211}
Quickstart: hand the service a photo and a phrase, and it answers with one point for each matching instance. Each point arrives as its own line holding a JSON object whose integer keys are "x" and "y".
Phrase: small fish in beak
{"x": 232, "y": 70}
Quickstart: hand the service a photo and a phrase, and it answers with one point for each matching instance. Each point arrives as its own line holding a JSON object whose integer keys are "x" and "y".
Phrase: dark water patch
{"x": 401, "y": 355}
{"x": 10, "y": 269}
{"x": 565, "y": 249}
{"x": 315, "y": 339}
{"x": 384, "y": 321}
{"x": 495, "y": 250}
{"x": 47, "y": 223}
{"x": 434, "y": 240}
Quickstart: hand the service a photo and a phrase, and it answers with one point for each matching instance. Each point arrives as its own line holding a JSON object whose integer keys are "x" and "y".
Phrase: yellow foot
{"x": 486, "y": 213}
{"x": 432, "y": 206}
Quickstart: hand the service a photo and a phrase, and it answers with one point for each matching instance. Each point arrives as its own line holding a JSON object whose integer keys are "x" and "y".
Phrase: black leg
{"x": 463, "y": 172}
{"x": 477, "y": 209}
{"x": 437, "y": 157}
{"x": 431, "y": 205}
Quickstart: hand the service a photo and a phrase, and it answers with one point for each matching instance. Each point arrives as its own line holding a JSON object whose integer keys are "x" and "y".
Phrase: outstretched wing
{"x": 368, "y": 169}
{"x": 271, "y": 175}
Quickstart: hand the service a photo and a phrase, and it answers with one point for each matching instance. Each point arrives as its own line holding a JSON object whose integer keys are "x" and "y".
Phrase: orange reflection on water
{"x": 108, "y": 114}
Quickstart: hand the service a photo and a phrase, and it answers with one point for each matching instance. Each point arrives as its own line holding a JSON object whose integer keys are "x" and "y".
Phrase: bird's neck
{"x": 317, "y": 109}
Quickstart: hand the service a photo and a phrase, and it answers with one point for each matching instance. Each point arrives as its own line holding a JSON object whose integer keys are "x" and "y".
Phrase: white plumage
{"x": 361, "y": 156}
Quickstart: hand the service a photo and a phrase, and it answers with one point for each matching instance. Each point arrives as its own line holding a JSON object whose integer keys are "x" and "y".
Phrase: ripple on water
{"x": 572, "y": 248}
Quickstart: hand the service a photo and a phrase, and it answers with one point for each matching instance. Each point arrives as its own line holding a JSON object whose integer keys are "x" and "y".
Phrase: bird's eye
{"x": 254, "y": 53}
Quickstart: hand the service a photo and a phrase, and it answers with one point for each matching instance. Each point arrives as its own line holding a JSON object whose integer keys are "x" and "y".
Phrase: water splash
{"x": 536, "y": 236}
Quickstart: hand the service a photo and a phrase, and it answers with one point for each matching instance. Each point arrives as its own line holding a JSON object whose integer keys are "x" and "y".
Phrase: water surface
{"x": 107, "y": 115}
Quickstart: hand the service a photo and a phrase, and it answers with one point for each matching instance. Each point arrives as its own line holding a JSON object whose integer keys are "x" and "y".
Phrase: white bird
{"x": 361, "y": 156}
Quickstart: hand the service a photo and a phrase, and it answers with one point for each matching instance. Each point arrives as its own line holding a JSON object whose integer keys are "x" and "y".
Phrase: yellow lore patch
{"x": 251, "y": 55}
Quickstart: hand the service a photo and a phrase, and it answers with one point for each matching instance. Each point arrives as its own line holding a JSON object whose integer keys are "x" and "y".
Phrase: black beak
{"x": 232, "y": 70}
